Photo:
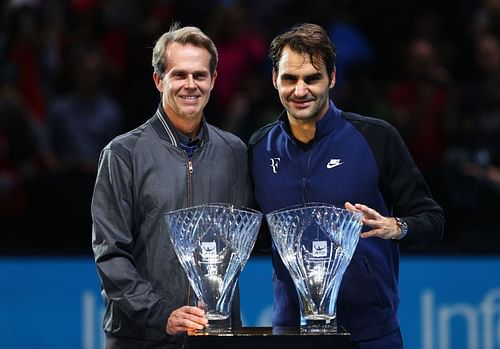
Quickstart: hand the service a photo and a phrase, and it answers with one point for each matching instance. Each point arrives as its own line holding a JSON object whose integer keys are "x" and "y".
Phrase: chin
{"x": 192, "y": 114}
{"x": 303, "y": 114}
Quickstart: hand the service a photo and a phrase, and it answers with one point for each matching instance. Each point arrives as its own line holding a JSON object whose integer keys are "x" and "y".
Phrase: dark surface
{"x": 267, "y": 337}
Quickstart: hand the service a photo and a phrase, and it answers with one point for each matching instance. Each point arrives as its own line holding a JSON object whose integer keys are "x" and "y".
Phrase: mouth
{"x": 190, "y": 99}
{"x": 302, "y": 103}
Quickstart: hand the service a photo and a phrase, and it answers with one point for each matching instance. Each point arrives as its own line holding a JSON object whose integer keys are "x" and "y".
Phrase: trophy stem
{"x": 322, "y": 326}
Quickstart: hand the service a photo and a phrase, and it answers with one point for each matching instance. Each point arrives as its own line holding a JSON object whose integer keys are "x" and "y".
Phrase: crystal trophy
{"x": 213, "y": 243}
{"x": 316, "y": 243}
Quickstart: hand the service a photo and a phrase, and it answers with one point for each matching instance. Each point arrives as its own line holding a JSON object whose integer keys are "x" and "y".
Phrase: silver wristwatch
{"x": 403, "y": 228}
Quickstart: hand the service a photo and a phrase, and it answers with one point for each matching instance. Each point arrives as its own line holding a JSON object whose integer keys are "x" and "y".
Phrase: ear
{"x": 332, "y": 78}
{"x": 275, "y": 79}
{"x": 158, "y": 81}
{"x": 212, "y": 83}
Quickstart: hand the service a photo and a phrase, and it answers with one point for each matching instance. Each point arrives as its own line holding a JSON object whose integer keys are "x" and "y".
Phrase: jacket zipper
{"x": 189, "y": 204}
{"x": 190, "y": 183}
{"x": 304, "y": 189}
{"x": 304, "y": 178}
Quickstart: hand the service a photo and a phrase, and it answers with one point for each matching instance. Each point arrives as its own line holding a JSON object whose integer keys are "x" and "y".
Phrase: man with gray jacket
{"x": 174, "y": 160}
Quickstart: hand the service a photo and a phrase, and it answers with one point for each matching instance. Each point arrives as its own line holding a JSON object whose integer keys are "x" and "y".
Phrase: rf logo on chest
{"x": 275, "y": 162}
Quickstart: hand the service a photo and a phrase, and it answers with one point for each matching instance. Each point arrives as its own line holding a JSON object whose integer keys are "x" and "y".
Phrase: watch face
{"x": 403, "y": 227}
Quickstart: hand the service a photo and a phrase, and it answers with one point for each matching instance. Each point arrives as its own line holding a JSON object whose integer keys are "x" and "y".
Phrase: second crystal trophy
{"x": 316, "y": 243}
{"x": 213, "y": 243}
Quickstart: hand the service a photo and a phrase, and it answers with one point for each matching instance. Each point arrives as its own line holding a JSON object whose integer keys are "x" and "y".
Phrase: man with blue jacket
{"x": 316, "y": 152}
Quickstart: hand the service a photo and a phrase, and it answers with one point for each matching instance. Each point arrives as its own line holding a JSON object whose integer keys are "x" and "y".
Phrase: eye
{"x": 285, "y": 78}
{"x": 313, "y": 78}
{"x": 200, "y": 76}
{"x": 179, "y": 75}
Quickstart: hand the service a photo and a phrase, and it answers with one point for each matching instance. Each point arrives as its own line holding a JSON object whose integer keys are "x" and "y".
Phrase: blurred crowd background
{"x": 75, "y": 73}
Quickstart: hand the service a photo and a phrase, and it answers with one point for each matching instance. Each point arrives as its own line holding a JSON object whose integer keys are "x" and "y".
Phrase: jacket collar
{"x": 167, "y": 132}
{"x": 323, "y": 127}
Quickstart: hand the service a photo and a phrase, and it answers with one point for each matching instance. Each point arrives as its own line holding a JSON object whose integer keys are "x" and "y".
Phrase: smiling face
{"x": 303, "y": 89}
{"x": 186, "y": 82}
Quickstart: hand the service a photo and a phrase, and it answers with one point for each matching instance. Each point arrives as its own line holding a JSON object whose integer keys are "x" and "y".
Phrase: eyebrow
{"x": 307, "y": 77}
{"x": 184, "y": 71}
{"x": 288, "y": 76}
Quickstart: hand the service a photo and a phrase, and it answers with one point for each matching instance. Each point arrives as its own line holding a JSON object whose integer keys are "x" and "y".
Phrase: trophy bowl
{"x": 316, "y": 242}
{"x": 213, "y": 243}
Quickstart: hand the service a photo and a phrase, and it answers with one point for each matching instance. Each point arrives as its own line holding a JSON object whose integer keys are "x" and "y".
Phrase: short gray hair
{"x": 182, "y": 35}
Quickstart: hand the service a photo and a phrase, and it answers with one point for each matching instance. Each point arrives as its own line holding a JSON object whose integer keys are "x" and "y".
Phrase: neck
{"x": 188, "y": 126}
{"x": 302, "y": 130}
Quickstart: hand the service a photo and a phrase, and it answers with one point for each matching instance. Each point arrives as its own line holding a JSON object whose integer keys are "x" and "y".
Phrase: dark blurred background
{"x": 75, "y": 73}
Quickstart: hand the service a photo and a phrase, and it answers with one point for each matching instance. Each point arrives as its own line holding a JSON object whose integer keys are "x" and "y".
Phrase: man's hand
{"x": 382, "y": 227}
{"x": 186, "y": 318}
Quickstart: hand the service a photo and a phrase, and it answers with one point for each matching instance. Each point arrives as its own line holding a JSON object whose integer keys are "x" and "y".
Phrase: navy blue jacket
{"x": 357, "y": 159}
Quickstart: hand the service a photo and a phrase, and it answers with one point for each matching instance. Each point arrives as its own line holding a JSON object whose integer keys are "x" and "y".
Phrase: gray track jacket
{"x": 142, "y": 175}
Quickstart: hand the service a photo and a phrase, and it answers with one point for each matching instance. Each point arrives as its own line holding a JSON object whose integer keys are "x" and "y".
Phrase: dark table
{"x": 268, "y": 337}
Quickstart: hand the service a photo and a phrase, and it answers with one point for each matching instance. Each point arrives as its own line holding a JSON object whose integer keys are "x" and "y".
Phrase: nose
{"x": 300, "y": 89}
{"x": 190, "y": 81}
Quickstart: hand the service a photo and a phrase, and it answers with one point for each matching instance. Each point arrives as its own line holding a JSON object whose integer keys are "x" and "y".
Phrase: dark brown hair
{"x": 307, "y": 38}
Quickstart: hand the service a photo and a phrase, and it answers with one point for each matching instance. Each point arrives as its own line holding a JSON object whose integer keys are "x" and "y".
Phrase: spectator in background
{"x": 473, "y": 173}
{"x": 356, "y": 87}
{"x": 83, "y": 121}
{"x": 80, "y": 123}
{"x": 24, "y": 51}
{"x": 242, "y": 53}
{"x": 419, "y": 106}
{"x": 486, "y": 18}
{"x": 354, "y": 48}
{"x": 23, "y": 158}
{"x": 480, "y": 98}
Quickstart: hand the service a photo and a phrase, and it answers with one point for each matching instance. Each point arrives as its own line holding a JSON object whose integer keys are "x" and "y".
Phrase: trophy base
{"x": 322, "y": 326}
{"x": 219, "y": 326}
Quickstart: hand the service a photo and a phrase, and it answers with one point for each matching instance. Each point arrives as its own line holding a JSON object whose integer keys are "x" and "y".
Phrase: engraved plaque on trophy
{"x": 316, "y": 243}
{"x": 213, "y": 243}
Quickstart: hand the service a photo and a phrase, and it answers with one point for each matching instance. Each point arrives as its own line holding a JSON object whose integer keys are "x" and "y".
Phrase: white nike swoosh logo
{"x": 334, "y": 163}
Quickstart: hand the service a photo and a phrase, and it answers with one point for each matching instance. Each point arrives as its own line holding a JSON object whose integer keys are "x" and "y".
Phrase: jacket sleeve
{"x": 407, "y": 193}
{"x": 242, "y": 192}
{"x": 113, "y": 243}
{"x": 263, "y": 245}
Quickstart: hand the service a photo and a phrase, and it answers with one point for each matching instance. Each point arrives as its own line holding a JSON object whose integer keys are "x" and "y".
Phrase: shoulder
{"x": 377, "y": 132}
{"x": 220, "y": 137}
{"x": 383, "y": 138}
{"x": 258, "y": 135}
{"x": 368, "y": 123}
{"x": 124, "y": 145}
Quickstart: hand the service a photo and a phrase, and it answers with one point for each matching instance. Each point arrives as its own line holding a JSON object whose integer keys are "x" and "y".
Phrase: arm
{"x": 113, "y": 246}
{"x": 409, "y": 196}
{"x": 405, "y": 192}
{"x": 263, "y": 244}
